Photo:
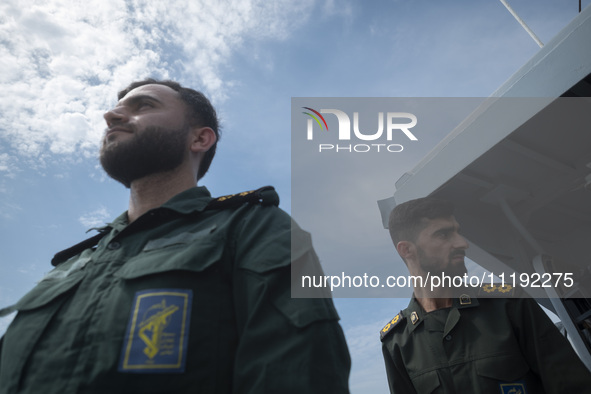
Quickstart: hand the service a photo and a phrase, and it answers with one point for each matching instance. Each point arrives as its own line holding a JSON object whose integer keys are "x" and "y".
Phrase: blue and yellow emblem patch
{"x": 513, "y": 388}
{"x": 158, "y": 332}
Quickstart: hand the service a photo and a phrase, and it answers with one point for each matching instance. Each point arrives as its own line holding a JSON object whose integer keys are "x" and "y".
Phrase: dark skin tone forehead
{"x": 159, "y": 94}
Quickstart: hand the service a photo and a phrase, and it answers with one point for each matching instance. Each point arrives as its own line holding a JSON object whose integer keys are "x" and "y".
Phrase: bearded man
{"x": 182, "y": 292}
{"x": 448, "y": 341}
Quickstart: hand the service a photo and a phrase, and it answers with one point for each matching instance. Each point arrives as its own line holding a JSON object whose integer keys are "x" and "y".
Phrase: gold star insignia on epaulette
{"x": 496, "y": 290}
{"x": 388, "y": 327}
{"x": 505, "y": 288}
{"x": 229, "y": 196}
{"x": 264, "y": 196}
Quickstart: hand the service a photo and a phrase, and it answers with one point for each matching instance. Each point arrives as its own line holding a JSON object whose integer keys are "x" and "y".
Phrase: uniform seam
{"x": 455, "y": 363}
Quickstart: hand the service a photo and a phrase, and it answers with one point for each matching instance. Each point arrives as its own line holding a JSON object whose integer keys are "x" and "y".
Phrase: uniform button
{"x": 448, "y": 338}
{"x": 113, "y": 246}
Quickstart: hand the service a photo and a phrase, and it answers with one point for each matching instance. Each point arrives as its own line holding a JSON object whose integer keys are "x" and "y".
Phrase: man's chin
{"x": 457, "y": 267}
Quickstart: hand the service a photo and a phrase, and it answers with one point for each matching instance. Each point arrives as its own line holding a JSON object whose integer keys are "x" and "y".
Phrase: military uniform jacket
{"x": 480, "y": 346}
{"x": 184, "y": 299}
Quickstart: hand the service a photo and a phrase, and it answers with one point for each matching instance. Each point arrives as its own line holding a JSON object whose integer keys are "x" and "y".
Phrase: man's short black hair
{"x": 408, "y": 219}
{"x": 200, "y": 113}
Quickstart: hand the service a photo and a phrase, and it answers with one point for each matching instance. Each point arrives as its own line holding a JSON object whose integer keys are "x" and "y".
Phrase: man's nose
{"x": 116, "y": 115}
{"x": 461, "y": 242}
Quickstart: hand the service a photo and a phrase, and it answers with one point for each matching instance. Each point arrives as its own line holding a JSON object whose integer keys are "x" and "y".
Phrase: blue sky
{"x": 62, "y": 64}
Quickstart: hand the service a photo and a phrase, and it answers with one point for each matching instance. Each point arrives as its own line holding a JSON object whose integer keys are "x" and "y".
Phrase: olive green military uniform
{"x": 193, "y": 296}
{"x": 480, "y": 346}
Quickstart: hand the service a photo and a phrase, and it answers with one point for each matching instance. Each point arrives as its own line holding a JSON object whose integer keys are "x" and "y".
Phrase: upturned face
{"x": 146, "y": 133}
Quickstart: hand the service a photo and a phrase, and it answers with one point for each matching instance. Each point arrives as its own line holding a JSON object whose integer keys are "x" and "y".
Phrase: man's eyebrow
{"x": 137, "y": 99}
{"x": 446, "y": 229}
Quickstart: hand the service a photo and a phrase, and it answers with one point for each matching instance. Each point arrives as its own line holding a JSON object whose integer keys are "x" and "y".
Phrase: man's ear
{"x": 201, "y": 139}
{"x": 405, "y": 249}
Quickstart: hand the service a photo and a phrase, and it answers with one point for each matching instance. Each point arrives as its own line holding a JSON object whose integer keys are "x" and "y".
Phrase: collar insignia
{"x": 465, "y": 299}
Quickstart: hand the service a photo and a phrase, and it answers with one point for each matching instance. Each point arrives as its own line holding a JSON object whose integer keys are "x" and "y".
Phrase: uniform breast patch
{"x": 513, "y": 388}
{"x": 158, "y": 331}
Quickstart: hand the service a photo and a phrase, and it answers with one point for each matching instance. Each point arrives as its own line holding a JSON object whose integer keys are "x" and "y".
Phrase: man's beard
{"x": 151, "y": 151}
{"x": 436, "y": 265}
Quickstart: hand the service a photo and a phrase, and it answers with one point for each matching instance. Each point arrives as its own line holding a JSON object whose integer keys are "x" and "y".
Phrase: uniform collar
{"x": 466, "y": 300}
{"x": 190, "y": 201}
{"x": 415, "y": 312}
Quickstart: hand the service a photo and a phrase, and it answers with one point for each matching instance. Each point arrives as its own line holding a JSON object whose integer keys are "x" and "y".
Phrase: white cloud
{"x": 63, "y": 61}
{"x": 95, "y": 218}
{"x": 7, "y": 165}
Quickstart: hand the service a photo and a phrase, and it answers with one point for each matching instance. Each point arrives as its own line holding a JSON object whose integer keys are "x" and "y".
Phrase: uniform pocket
{"x": 183, "y": 252}
{"x": 174, "y": 310}
{"x": 58, "y": 282}
{"x": 426, "y": 383}
{"x": 35, "y": 311}
{"x": 304, "y": 311}
{"x": 504, "y": 368}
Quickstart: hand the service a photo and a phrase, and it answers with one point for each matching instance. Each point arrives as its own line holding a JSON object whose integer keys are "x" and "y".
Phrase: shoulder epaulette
{"x": 496, "y": 290}
{"x": 264, "y": 196}
{"x": 77, "y": 249}
{"x": 391, "y": 324}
